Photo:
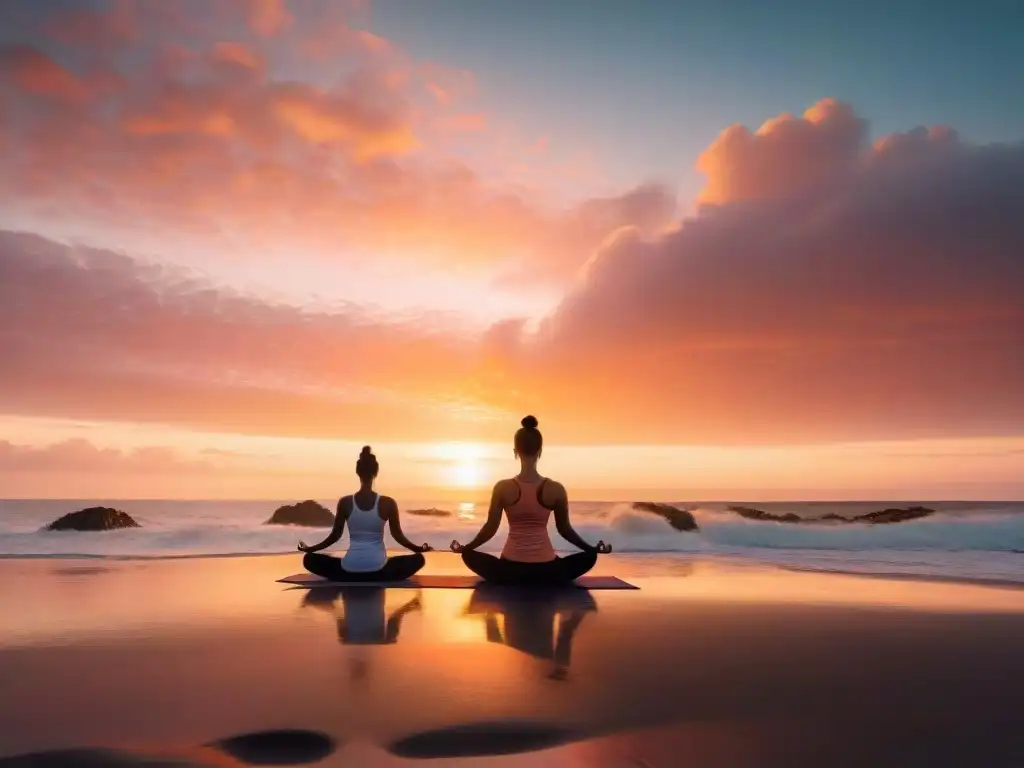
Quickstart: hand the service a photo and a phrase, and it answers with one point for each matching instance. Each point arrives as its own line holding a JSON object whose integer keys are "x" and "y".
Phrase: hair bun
{"x": 366, "y": 451}
{"x": 529, "y": 422}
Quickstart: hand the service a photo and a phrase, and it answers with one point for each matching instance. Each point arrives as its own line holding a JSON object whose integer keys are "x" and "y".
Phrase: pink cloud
{"x": 238, "y": 54}
{"x": 374, "y": 43}
{"x": 540, "y": 146}
{"x": 268, "y": 17}
{"x": 335, "y": 33}
{"x": 447, "y": 85}
{"x": 140, "y": 343}
{"x": 829, "y": 286}
{"x": 32, "y": 72}
{"x": 209, "y": 140}
{"x": 79, "y": 455}
{"x": 887, "y": 306}
{"x": 114, "y": 26}
{"x": 467, "y": 122}
{"x": 786, "y": 155}
{"x": 439, "y": 93}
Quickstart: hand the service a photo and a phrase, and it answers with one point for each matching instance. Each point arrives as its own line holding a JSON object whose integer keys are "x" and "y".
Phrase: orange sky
{"x": 104, "y": 460}
{"x": 227, "y": 266}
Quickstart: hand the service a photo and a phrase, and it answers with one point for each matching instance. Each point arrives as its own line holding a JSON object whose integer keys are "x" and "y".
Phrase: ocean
{"x": 962, "y": 540}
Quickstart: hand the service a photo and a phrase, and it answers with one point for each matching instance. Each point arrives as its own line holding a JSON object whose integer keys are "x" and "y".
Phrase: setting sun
{"x": 463, "y": 464}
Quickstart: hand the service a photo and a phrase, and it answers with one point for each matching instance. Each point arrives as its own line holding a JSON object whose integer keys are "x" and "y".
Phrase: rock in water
{"x": 893, "y": 515}
{"x": 879, "y": 517}
{"x": 306, "y": 513}
{"x": 93, "y": 519}
{"x": 680, "y": 519}
{"x": 750, "y": 513}
{"x": 432, "y": 512}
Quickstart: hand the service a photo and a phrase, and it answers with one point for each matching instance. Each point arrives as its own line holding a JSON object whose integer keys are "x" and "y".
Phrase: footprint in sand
{"x": 482, "y": 739}
{"x": 278, "y": 747}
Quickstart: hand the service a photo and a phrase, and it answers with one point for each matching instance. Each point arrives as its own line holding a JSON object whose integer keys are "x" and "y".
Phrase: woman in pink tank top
{"x": 528, "y": 501}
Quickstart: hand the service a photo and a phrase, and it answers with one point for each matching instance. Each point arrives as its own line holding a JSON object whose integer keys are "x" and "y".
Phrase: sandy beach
{"x": 705, "y": 665}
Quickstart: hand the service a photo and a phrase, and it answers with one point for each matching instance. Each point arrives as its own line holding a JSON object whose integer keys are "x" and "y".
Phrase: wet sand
{"x": 209, "y": 661}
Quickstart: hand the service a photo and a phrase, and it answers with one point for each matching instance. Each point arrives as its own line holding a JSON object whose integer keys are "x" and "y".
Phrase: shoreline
{"x": 925, "y": 578}
{"x": 671, "y": 557}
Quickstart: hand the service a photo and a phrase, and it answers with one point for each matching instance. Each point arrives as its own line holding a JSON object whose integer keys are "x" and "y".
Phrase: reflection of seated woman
{"x": 530, "y": 622}
{"x": 365, "y": 512}
{"x": 362, "y": 620}
{"x": 528, "y": 500}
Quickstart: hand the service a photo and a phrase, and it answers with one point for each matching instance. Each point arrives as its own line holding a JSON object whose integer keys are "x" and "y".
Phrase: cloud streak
{"x": 81, "y": 456}
{"x": 140, "y": 342}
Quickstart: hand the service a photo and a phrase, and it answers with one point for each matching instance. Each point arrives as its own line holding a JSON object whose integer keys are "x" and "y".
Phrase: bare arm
{"x": 493, "y": 629}
{"x": 562, "y": 524}
{"x": 394, "y": 624}
{"x": 395, "y": 521}
{"x": 566, "y": 631}
{"x": 336, "y": 531}
{"x": 490, "y": 526}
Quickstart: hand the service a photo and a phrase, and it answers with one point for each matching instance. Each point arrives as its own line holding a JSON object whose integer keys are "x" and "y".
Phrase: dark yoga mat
{"x": 454, "y": 581}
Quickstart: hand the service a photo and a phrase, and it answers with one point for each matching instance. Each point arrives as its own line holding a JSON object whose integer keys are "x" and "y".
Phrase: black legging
{"x": 496, "y": 570}
{"x": 397, "y": 568}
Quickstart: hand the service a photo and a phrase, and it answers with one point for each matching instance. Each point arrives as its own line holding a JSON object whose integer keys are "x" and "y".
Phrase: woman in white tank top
{"x": 365, "y": 512}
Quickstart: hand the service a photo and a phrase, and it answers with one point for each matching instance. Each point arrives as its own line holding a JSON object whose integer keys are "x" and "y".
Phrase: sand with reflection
{"x": 169, "y": 654}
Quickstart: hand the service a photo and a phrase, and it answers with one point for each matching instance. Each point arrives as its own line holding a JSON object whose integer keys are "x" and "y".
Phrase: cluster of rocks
{"x": 306, "y": 513}
{"x": 683, "y": 519}
{"x": 878, "y": 517}
{"x": 311, "y": 514}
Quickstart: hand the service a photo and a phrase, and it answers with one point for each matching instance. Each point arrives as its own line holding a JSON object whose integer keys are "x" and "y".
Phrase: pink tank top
{"x": 528, "y": 540}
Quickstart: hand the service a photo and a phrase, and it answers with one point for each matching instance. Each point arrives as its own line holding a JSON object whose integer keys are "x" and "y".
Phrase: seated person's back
{"x": 365, "y": 512}
{"x": 528, "y": 509}
{"x": 528, "y": 500}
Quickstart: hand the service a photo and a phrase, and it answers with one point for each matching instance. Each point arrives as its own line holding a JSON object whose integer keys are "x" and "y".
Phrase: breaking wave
{"x": 959, "y": 540}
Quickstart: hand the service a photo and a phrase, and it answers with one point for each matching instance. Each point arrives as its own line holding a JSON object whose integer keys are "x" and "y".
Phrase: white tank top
{"x": 365, "y": 539}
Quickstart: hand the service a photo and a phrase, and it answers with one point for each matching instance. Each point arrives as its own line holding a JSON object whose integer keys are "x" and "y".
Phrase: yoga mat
{"x": 454, "y": 581}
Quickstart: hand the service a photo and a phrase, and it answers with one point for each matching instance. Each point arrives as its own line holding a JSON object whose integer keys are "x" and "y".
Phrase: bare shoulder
{"x": 345, "y": 506}
{"x": 553, "y": 493}
{"x": 388, "y": 505}
{"x": 504, "y": 491}
{"x": 555, "y": 486}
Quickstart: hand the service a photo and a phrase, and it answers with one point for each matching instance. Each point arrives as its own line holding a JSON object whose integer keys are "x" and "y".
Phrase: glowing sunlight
{"x": 463, "y": 464}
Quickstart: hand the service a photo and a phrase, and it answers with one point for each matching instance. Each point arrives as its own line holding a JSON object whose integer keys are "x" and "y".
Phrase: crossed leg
{"x": 398, "y": 568}
{"x": 561, "y": 570}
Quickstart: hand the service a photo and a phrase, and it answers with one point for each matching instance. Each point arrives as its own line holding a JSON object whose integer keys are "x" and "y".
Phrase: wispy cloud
{"x": 82, "y": 456}
{"x": 146, "y": 117}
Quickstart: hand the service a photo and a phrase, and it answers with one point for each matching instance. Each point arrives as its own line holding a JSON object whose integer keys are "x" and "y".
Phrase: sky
{"x": 720, "y": 250}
